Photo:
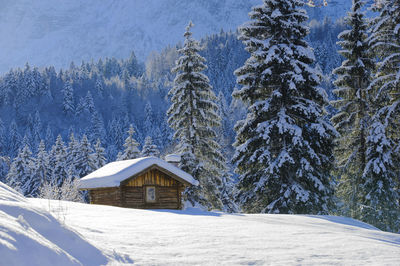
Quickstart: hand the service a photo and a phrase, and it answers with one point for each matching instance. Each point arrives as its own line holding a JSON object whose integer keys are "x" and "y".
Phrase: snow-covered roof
{"x": 112, "y": 174}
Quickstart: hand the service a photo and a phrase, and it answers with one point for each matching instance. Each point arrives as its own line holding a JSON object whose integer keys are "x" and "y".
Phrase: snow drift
{"x": 31, "y": 236}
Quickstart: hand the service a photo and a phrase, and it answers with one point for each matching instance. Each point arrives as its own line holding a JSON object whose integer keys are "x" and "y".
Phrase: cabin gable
{"x": 154, "y": 175}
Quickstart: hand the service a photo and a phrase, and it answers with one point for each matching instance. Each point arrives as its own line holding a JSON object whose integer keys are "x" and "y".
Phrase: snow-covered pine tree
{"x": 36, "y": 128}
{"x": 193, "y": 115}
{"x": 14, "y": 139}
{"x": 148, "y": 124}
{"x": 72, "y": 150}
{"x": 49, "y": 138}
{"x": 99, "y": 155}
{"x": 27, "y": 140}
{"x": 385, "y": 42}
{"x": 84, "y": 163}
{"x": 68, "y": 98}
{"x": 381, "y": 182}
{"x": 284, "y": 146}
{"x": 58, "y": 162}
{"x": 97, "y": 130}
{"x": 41, "y": 169}
{"x": 353, "y": 117}
{"x": 131, "y": 146}
{"x": 22, "y": 172}
{"x": 2, "y": 138}
{"x": 379, "y": 199}
{"x": 150, "y": 149}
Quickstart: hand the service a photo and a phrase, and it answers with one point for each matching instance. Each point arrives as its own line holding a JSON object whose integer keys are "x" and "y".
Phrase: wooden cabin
{"x": 143, "y": 183}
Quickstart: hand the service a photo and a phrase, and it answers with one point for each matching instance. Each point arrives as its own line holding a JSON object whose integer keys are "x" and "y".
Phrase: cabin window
{"x": 150, "y": 194}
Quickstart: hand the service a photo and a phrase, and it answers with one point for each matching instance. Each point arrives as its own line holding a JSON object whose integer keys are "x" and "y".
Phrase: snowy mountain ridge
{"x": 55, "y": 32}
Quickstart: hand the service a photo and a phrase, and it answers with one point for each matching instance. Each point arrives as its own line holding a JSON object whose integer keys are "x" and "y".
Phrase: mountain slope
{"x": 56, "y": 32}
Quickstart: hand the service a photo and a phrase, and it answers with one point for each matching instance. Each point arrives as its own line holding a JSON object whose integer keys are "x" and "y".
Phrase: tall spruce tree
{"x": 22, "y": 172}
{"x": 150, "y": 149}
{"x": 58, "y": 162}
{"x": 381, "y": 182}
{"x": 353, "y": 117}
{"x": 131, "y": 150}
{"x": 193, "y": 115}
{"x": 41, "y": 169}
{"x": 379, "y": 199}
{"x": 284, "y": 145}
{"x": 99, "y": 155}
{"x": 68, "y": 98}
{"x": 84, "y": 163}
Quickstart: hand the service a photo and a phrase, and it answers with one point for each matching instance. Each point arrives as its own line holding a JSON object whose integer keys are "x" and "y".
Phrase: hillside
{"x": 86, "y": 234}
{"x": 57, "y": 32}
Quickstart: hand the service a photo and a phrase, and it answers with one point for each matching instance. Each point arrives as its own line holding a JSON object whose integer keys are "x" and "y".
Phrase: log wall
{"x": 132, "y": 193}
{"x": 106, "y": 196}
{"x": 167, "y": 197}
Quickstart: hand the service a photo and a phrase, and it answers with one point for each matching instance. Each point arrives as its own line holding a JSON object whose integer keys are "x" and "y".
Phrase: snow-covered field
{"x": 94, "y": 235}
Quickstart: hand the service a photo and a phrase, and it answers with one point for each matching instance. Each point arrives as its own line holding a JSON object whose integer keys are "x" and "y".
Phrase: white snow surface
{"x": 112, "y": 174}
{"x": 104, "y": 235}
{"x": 29, "y": 235}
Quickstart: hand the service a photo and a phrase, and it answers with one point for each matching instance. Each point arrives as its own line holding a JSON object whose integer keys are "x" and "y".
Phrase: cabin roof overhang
{"x": 120, "y": 172}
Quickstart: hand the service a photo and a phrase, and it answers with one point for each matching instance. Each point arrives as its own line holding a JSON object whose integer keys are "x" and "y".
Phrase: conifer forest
{"x": 284, "y": 115}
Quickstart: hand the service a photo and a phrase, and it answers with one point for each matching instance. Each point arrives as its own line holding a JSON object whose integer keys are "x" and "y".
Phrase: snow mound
{"x": 31, "y": 236}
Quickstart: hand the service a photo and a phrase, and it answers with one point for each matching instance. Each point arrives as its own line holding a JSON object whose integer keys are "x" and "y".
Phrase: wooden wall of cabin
{"x": 168, "y": 191}
{"x": 106, "y": 196}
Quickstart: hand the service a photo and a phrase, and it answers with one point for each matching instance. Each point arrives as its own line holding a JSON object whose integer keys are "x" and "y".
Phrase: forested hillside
{"x": 274, "y": 117}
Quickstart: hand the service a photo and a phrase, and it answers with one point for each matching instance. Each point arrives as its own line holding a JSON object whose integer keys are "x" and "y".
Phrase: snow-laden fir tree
{"x": 36, "y": 128}
{"x": 3, "y": 137}
{"x": 193, "y": 115}
{"x": 385, "y": 43}
{"x": 14, "y": 139}
{"x": 131, "y": 147}
{"x": 41, "y": 169}
{"x": 149, "y": 122}
{"x": 68, "y": 98}
{"x": 84, "y": 163}
{"x": 150, "y": 149}
{"x": 58, "y": 162}
{"x": 353, "y": 117}
{"x": 99, "y": 155}
{"x": 72, "y": 150}
{"x": 49, "y": 138}
{"x": 97, "y": 130}
{"x": 284, "y": 145}
{"x": 379, "y": 200}
{"x": 381, "y": 182}
{"x": 22, "y": 172}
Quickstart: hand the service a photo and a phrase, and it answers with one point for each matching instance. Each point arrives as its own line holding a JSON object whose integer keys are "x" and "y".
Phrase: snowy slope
{"x": 31, "y": 236}
{"x": 55, "y": 32}
{"x": 193, "y": 237}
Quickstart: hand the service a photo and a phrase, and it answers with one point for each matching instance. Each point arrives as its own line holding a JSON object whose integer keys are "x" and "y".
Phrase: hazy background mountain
{"x": 56, "y": 32}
